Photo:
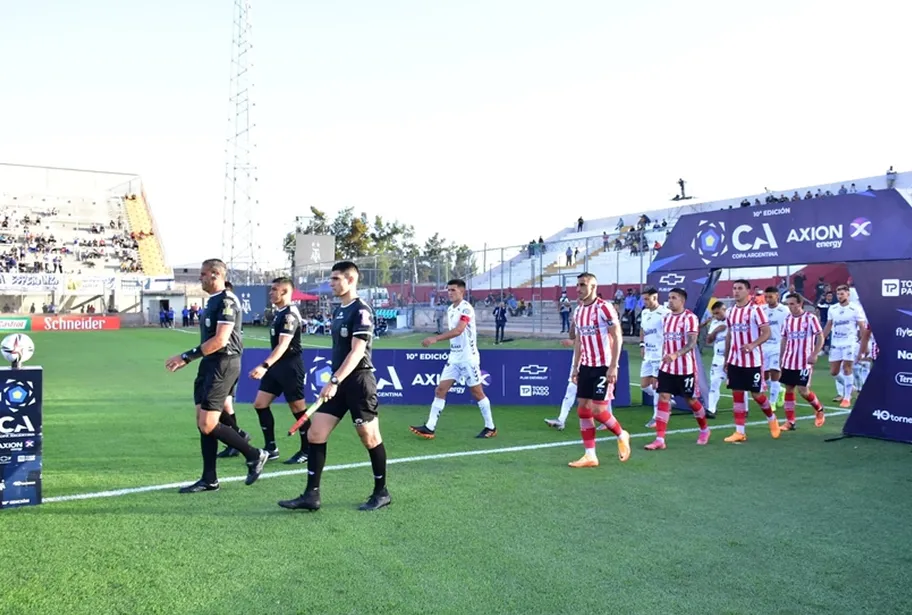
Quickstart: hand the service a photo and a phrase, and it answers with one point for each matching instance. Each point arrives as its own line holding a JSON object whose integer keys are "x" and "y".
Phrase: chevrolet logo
{"x": 672, "y": 279}
{"x": 534, "y": 370}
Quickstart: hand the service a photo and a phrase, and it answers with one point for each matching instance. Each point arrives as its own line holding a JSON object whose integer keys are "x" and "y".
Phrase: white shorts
{"x": 771, "y": 360}
{"x": 467, "y": 374}
{"x": 843, "y": 353}
{"x": 717, "y": 371}
{"x": 650, "y": 369}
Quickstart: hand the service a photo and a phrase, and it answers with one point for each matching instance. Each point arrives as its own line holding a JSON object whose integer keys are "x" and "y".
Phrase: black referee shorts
{"x": 285, "y": 378}
{"x": 357, "y": 394}
{"x": 215, "y": 381}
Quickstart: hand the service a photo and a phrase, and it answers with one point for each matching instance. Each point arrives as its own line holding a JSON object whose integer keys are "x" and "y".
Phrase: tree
{"x": 317, "y": 225}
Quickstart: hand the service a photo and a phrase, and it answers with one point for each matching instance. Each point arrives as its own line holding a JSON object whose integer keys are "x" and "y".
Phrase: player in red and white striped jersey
{"x": 596, "y": 352}
{"x": 747, "y": 330}
{"x": 801, "y": 343}
{"x": 678, "y": 372}
{"x": 866, "y": 355}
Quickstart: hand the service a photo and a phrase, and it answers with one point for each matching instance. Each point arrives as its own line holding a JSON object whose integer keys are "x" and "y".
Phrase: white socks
{"x": 485, "y": 406}
{"x": 567, "y": 403}
{"x": 436, "y": 408}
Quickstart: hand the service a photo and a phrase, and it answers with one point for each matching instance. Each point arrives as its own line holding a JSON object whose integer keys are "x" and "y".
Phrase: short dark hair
{"x": 771, "y": 289}
{"x": 743, "y": 283}
{"x": 216, "y": 264}
{"x": 284, "y": 280}
{"x": 651, "y": 291}
{"x": 457, "y": 282}
{"x": 794, "y": 296}
{"x": 716, "y": 306}
{"x": 346, "y": 267}
{"x": 843, "y": 287}
{"x": 679, "y": 291}
{"x": 587, "y": 275}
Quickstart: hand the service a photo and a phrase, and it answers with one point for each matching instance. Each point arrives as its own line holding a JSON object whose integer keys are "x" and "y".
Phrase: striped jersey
{"x": 775, "y": 316}
{"x": 744, "y": 324}
{"x": 846, "y": 321}
{"x": 653, "y": 332}
{"x": 593, "y": 322}
{"x": 463, "y": 347}
{"x": 800, "y": 335}
{"x": 677, "y": 328}
{"x": 719, "y": 326}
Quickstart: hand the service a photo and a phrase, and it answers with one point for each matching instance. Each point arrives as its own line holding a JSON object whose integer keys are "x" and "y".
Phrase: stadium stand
{"x": 620, "y": 253}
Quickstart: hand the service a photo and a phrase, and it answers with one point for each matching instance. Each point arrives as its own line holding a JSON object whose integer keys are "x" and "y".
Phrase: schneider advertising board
{"x": 75, "y": 322}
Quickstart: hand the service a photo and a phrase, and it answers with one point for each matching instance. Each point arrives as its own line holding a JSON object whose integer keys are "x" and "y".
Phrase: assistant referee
{"x": 351, "y": 388}
{"x": 219, "y": 369}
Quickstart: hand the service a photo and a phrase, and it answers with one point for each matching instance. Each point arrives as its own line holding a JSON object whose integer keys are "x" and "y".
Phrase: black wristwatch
{"x": 265, "y": 365}
{"x": 334, "y": 380}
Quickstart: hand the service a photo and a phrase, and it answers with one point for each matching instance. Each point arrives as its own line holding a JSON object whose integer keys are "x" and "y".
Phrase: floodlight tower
{"x": 238, "y": 223}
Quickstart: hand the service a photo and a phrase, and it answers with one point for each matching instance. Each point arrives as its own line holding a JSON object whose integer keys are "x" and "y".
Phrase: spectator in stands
{"x": 798, "y": 281}
{"x": 569, "y": 254}
{"x": 629, "y": 314}
{"x": 891, "y": 178}
{"x": 819, "y": 289}
{"x": 579, "y": 225}
{"x": 576, "y": 255}
{"x": 823, "y": 309}
{"x": 843, "y": 189}
{"x": 500, "y": 322}
{"x": 605, "y": 240}
{"x": 564, "y": 307}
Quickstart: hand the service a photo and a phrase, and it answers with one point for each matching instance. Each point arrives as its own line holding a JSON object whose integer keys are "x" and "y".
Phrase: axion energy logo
{"x": 75, "y": 322}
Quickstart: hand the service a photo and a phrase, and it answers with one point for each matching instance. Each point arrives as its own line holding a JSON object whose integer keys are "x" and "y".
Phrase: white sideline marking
{"x": 252, "y": 337}
{"x": 366, "y": 464}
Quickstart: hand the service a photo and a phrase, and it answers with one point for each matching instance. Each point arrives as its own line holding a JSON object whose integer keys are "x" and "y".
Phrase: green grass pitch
{"x": 789, "y": 526}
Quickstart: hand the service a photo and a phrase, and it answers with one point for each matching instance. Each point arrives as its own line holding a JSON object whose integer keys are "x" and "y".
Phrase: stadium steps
{"x": 151, "y": 255}
{"x": 555, "y": 268}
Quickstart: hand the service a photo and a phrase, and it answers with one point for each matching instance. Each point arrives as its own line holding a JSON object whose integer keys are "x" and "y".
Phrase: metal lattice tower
{"x": 238, "y": 224}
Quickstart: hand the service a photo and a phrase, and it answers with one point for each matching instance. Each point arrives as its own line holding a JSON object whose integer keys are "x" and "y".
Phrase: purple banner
{"x": 408, "y": 377}
{"x": 20, "y": 436}
{"x": 882, "y": 409}
{"x": 853, "y": 227}
{"x": 872, "y": 231}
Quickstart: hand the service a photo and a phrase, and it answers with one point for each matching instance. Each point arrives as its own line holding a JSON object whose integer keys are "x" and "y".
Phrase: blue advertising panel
{"x": 20, "y": 436}
{"x": 408, "y": 377}
{"x": 254, "y": 301}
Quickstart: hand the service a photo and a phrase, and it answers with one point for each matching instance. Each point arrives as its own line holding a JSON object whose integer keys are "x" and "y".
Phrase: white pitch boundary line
{"x": 366, "y": 464}
{"x": 253, "y": 337}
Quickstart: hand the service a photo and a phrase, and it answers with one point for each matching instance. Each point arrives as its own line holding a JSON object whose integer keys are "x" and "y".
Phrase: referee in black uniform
{"x": 351, "y": 388}
{"x": 282, "y": 373}
{"x": 220, "y": 366}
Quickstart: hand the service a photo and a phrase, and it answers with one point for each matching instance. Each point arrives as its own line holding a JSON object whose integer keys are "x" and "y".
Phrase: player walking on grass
{"x": 570, "y": 394}
{"x": 219, "y": 369}
{"x": 351, "y": 388}
{"x": 282, "y": 373}
{"x": 716, "y": 337}
{"x": 652, "y": 318}
{"x": 678, "y": 371}
{"x": 846, "y": 322}
{"x": 228, "y": 416}
{"x": 802, "y": 340}
{"x": 748, "y": 329}
{"x": 596, "y": 352}
{"x": 776, "y": 314}
{"x": 463, "y": 364}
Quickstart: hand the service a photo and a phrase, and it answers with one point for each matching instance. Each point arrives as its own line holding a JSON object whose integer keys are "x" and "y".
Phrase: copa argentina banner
{"x": 20, "y": 436}
{"x": 408, "y": 377}
{"x": 23, "y": 283}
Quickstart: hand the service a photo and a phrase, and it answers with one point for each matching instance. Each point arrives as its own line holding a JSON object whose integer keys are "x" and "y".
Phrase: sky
{"x": 491, "y": 122}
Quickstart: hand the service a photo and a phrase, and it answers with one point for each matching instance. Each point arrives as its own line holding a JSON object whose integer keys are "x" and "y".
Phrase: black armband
{"x": 193, "y": 353}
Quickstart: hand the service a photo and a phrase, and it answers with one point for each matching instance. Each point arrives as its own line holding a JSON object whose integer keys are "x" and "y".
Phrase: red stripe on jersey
{"x": 593, "y": 322}
{"x": 744, "y": 323}
{"x": 676, "y": 328}
{"x": 465, "y": 318}
{"x": 800, "y": 334}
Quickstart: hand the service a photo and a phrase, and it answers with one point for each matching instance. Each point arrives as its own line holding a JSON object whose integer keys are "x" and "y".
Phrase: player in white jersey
{"x": 716, "y": 337}
{"x": 570, "y": 394}
{"x": 652, "y": 319}
{"x": 866, "y": 357}
{"x": 776, "y": 313}
{"x": 463, "y": 364}
{"x": 846, "y": 322}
